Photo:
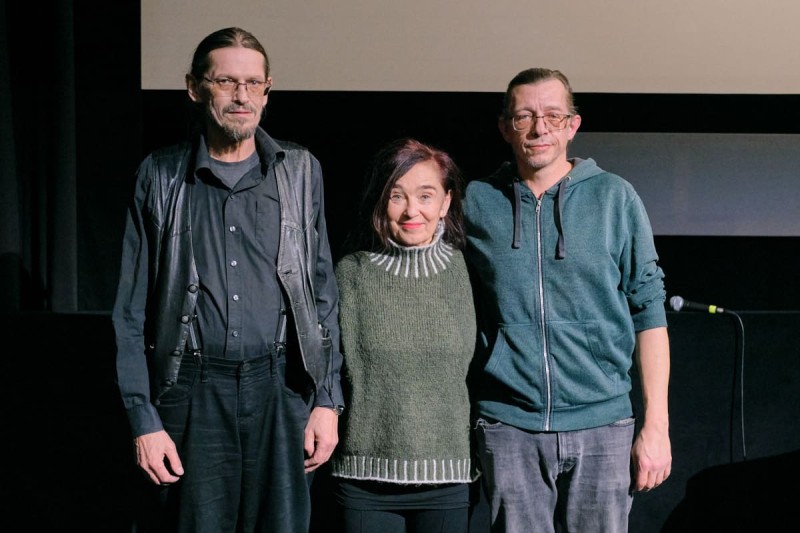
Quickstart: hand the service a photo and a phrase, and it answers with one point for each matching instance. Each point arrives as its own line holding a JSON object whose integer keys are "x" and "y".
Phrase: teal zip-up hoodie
{"x": 562, "y": 286}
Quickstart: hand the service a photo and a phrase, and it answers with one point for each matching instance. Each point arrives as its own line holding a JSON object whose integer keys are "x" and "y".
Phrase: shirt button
{"x": 235, "y": 333}
{"x": 234, "y": 263}
{"x": 235, "y": 297}
{"x": 232, "y": 229}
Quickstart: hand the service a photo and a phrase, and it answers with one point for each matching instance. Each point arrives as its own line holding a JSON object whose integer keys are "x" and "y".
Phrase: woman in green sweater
{"x": 407, "y": 318}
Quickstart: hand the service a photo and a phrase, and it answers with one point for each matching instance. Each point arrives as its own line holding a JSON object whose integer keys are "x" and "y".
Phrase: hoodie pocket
{"x": 516, "y": 364}
{"x": 584, "y": 366}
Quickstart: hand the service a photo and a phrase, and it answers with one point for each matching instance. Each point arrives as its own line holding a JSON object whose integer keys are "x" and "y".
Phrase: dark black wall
{"x": 734, "y": 392}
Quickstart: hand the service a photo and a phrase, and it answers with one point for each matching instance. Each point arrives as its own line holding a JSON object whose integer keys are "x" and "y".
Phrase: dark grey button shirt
{"x": 235, "y": 235}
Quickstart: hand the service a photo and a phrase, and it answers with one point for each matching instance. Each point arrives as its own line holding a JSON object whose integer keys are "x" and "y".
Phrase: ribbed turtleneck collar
{"x": 415, "y": 261}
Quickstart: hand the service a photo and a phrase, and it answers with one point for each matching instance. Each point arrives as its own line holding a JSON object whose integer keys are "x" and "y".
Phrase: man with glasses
{"x": 226, "y": 316}
{"x": 569, "y": 293}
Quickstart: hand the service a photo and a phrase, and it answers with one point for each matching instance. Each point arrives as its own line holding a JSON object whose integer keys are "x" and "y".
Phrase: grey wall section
{"x": 706, "y": 183}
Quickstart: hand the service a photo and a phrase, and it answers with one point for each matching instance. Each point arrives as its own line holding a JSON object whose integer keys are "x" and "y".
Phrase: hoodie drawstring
{"x": 517, "y": 218}
{"x": 561, "y": 247}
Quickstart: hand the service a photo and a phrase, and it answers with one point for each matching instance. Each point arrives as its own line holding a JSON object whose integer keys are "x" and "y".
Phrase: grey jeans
{"x": 565, "y": 481}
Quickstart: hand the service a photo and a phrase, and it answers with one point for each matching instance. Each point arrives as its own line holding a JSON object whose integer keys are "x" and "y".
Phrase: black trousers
{"x": 239, "y": 432}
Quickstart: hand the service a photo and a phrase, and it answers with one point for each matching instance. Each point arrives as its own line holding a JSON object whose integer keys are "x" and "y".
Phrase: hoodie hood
{"x": 582, "y": 169}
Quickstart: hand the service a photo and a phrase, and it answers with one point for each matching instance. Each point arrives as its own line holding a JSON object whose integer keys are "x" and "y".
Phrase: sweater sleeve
{"x": 645, "y": 278}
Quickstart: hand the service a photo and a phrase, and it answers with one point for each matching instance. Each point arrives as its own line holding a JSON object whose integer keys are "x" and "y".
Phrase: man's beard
{"x": 233, "y": 130}
{"x": 238, "y": 132}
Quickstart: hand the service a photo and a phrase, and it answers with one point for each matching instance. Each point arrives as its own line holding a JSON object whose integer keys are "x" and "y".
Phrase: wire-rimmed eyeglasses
{"x": 552, "y": 121}
{"x": 229, "y": 86}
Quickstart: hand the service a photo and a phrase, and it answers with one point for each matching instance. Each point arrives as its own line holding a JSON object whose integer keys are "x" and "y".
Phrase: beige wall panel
{"x": 616, "y": 46}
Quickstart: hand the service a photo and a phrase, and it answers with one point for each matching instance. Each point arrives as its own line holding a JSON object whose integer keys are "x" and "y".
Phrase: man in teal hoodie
{"x": 569, "y": 294}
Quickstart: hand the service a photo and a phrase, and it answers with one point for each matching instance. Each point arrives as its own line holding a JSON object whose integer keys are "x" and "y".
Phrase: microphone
{"x": 678, "y": 304}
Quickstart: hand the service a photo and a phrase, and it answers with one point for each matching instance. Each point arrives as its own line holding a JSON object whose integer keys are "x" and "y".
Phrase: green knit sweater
{"x": 408, "y": 336}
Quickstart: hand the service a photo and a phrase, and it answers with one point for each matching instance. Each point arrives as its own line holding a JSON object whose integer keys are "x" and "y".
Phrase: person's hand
{"x": 652, "y": 458}
{"x": 321, "y": 437}
{"x": 158, "y": 458}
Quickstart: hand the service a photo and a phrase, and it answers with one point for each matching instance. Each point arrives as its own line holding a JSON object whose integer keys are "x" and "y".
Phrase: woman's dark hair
{"x": 391, "y": 163}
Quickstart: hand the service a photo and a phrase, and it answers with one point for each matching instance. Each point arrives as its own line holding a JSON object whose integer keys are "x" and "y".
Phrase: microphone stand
{"x": 740, "y": 352}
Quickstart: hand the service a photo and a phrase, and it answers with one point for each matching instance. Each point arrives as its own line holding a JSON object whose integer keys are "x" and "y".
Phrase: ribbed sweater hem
{"x": 403, "y": 471}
